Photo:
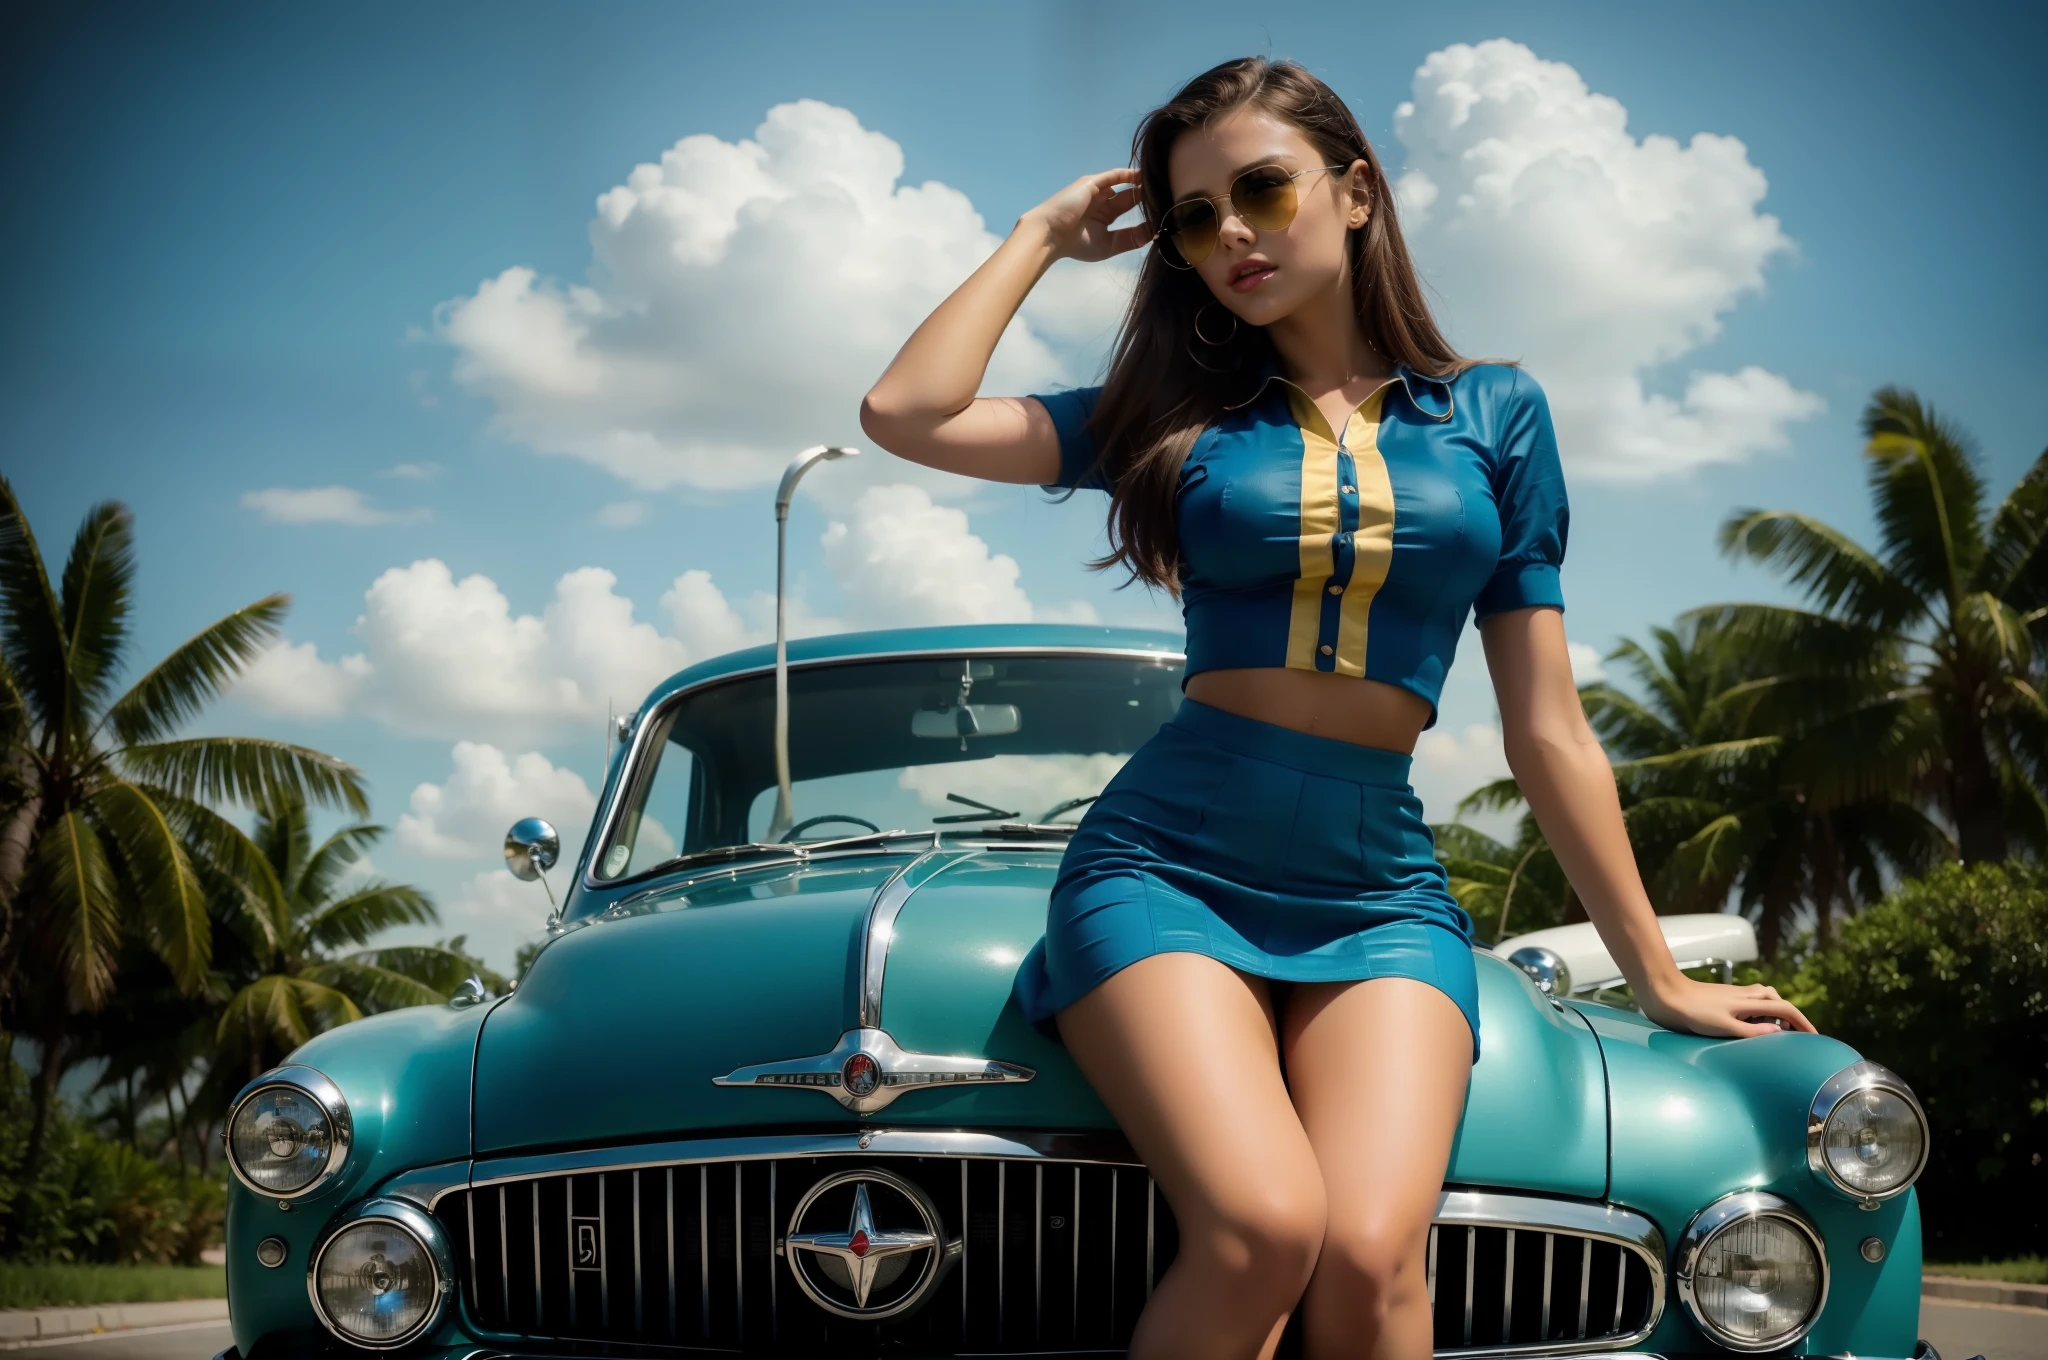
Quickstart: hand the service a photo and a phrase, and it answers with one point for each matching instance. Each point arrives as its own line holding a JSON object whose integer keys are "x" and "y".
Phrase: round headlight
{"x": 1752, "y": 1272}
{"x": 1866, "y": 1135}
{"x": 288, "y": 1132}
{"x": 380, "y": 1279}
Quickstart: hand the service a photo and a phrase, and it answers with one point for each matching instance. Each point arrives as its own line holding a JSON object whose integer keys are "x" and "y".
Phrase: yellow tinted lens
{"x": 1264, "y": 197}
{"x": 1191, "y": 229}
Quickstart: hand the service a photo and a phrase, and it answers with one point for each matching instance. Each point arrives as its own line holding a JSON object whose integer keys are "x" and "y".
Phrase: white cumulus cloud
{"x": 1586, "y": 666}
{"x": 324, "y": 505}
{"x": 465, "y": 816}
{"x": 742, "y": 297}
{"x": 904, "y": 560}
{"x": 450, "y": 657}
{"x": 1557, "y": 237}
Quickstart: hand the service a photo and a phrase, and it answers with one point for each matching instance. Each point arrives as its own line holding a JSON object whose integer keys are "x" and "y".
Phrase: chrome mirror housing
{"x": 531, "y": 848}
{"x": 1546, "y": 967}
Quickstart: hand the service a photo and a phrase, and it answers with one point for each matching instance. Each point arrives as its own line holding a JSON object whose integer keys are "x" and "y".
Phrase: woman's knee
{"x": 1379, "y": 1265}
{"x": 1263, "y": 1234}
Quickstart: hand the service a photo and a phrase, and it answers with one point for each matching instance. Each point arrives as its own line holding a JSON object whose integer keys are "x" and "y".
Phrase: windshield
{"x": 947, "y": 743}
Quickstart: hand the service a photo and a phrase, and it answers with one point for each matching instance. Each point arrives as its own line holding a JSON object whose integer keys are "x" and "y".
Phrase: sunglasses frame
{"x": 1215, "y": 202}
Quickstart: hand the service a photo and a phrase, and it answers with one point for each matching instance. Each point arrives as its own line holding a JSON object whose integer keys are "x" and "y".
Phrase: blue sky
{"x": 259, "y": 291}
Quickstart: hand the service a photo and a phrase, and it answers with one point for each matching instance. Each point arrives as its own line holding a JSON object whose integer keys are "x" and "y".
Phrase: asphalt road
{"x": 1958, "y": 1331}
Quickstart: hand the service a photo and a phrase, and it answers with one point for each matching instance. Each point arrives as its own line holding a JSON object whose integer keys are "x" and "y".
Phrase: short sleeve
{"x": 1528, "y": 486}
{"x": 1078, "y": 455}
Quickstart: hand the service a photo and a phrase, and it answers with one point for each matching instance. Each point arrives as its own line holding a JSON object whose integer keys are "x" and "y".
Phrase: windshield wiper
{"x": 988, "y": 810}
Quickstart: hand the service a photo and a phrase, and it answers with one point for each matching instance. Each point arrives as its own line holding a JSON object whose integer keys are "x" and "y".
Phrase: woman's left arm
{"x": 1564, "y": 775}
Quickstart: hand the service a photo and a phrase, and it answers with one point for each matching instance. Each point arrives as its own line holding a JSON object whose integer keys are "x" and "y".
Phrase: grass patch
{"x": 2019, "y": 1270}
{"x": 72, "y": 1286}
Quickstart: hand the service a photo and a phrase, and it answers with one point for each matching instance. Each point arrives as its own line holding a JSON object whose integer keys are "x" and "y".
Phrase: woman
{"x": 1251, "y": 950}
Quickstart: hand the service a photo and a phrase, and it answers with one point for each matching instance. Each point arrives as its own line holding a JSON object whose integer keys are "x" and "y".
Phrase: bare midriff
{"x": 1344, "y": 707}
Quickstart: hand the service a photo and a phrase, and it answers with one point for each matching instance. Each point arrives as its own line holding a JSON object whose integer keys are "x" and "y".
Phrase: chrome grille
{"x": 1056, "y": 1256}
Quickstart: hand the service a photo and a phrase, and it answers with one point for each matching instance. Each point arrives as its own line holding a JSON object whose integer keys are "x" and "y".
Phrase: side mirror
{"x": 531, "y": 848}
{"x": 1545, "y": 967}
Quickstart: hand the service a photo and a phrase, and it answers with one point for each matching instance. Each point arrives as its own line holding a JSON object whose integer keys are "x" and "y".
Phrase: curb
{"x": 1965, "y": 1290}
{"x": 40, "y": 1324}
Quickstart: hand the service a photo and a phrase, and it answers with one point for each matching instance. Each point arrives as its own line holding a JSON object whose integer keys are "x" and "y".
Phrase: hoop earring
{"x": 1232, "y": 335}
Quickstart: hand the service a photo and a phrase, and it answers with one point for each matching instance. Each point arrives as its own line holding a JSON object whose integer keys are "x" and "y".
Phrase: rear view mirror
{"x": 965, "y": 720}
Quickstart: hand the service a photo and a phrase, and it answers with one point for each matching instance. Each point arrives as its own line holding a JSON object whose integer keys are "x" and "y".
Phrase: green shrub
{"x": 94, "y": 1199}
{"x": 1946, "y": 982}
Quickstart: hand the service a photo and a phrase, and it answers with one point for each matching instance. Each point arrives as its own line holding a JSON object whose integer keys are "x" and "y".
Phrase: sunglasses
{"x": 1264, "y": 196}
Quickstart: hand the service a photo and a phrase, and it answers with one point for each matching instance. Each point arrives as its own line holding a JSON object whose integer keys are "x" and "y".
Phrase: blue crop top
{"x": 1359, "y": 553}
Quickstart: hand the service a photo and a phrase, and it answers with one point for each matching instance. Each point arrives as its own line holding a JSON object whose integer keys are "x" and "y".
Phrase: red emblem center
{"x": 861, "y": 1074}
{"x": 859, "y": 1245}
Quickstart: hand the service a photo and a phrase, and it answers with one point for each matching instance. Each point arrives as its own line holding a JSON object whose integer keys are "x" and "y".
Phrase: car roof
{"x": 950, "y": 637}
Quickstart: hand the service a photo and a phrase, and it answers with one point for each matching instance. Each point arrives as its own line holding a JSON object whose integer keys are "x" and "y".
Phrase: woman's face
{"x": 1264, "y": 275}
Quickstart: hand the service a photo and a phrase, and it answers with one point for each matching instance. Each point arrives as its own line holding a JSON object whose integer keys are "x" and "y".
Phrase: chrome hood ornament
{"x": 867, "y": 1070}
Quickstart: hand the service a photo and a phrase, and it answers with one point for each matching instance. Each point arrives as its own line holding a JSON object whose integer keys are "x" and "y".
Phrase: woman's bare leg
{"x": 1378, "y": 1071}
{"x": 1183, "y": 1051}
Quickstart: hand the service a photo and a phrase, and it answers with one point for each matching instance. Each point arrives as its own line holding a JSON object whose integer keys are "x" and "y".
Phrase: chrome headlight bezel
{"x": 315, "y": 1086}
{"x": 1734, "y": 1208}
{"x": 415, "y": 1223}
{"x": 1860, "y": 1076}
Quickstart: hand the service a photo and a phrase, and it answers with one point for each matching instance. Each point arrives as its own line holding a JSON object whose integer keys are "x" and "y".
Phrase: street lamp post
{"x": 785, "y": 813}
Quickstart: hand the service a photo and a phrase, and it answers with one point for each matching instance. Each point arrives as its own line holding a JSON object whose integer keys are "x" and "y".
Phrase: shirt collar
{"x": 1430, "y": 396}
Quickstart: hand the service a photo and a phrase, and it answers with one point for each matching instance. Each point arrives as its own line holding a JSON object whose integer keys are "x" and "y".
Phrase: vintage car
{"x": 766, "y": 1091}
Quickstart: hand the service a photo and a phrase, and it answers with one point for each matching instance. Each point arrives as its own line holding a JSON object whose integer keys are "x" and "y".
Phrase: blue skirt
{"x": 1289, "y": 856}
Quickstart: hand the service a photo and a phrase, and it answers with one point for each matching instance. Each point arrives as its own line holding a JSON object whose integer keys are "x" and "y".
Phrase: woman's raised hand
{"x": 1077, "y": 218}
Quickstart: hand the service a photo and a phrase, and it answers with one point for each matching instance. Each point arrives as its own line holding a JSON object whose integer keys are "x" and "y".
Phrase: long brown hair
{"x": 1165, "y": 385}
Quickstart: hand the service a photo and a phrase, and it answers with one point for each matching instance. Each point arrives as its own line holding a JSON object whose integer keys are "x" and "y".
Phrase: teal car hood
{"x": 622, "y": 1024}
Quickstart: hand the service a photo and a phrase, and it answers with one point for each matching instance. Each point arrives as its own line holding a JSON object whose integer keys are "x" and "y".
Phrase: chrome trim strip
{"x": 774, "y": 1320}
{"x": 1114, "y": 1175}
{"x": 1002, "y": 1244}
{"x": 670, "y": 1240}
{"x": 1471, "y": 1260}
{"x": 629, "y": 765}
{"x": 1507, "y": 1291}
{"x": 1860, "y": 1076}
{"x": 1432, "y": 1267}
{"x": 537, "y": 1313}
{"x": 604, "y": 1274}
{"x": 1150, "y": 1187}
{"x": 739, "y": 1247}
{"x": 504, "y": 1254}
{"x": 1743, "y": 1206}
{"x": 1585, "y": 1280}
{"x": 317, "y": 1087}
{"x": 1038, "y": 1252}
{"x": 1543, "y": 1322}
{"x": 639, "y": 1305}
{"x": 879, "y": 930}
{"x": 704, "y": 1245}
{"x": 966, "y": 1235}
{"x": 1074, "y": 1295}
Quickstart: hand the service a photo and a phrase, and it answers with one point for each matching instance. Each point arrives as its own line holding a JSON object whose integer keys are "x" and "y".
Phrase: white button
{"x": 1350, "y": 490}
{"x": 1326, "y": 649}
{"x": 1336, "y": 590}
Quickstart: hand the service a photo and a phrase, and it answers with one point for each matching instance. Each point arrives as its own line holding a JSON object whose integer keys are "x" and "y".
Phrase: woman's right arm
{"x": 923, "y": 408}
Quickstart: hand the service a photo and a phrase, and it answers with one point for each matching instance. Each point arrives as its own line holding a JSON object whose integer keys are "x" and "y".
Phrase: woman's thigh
{"x": 1378, "y": 1071}
{"x": 1184, "y": 1051}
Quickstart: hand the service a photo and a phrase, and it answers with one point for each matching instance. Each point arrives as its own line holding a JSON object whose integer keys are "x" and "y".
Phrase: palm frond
{"x": 75, "y": 878}
{"x": 1457, "y": 840}
{"x": 195, "y": 673}
{"x": 335, "y": 856}
{"x": 97, "y": 579}
{"x": 1838, "y": 573}
{"x": 1928, "y": 495}
{"x": 2015, "y": 566}
{"x": 249, "y": 770}
{"x": 375, "y": 907}
{"x": 372, "y": 986}
{"x": 171, "y": 909}
{"x": 1496, "y": 796}
{"x": 31, "y": 618}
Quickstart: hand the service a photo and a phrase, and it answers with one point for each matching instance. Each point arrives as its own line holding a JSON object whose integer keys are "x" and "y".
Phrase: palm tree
{"x": 1507, "y": 889}
{"x": 1701, "y": 763}
{"x": 293, "y": 982}
{"x": 105, "y": 817}
{"x": 1916, "y": 671}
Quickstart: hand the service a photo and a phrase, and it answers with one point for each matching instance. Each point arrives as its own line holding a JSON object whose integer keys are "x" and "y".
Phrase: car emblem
{"x": 886, "y": 1258}
{"x": 867, "y": 1070}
